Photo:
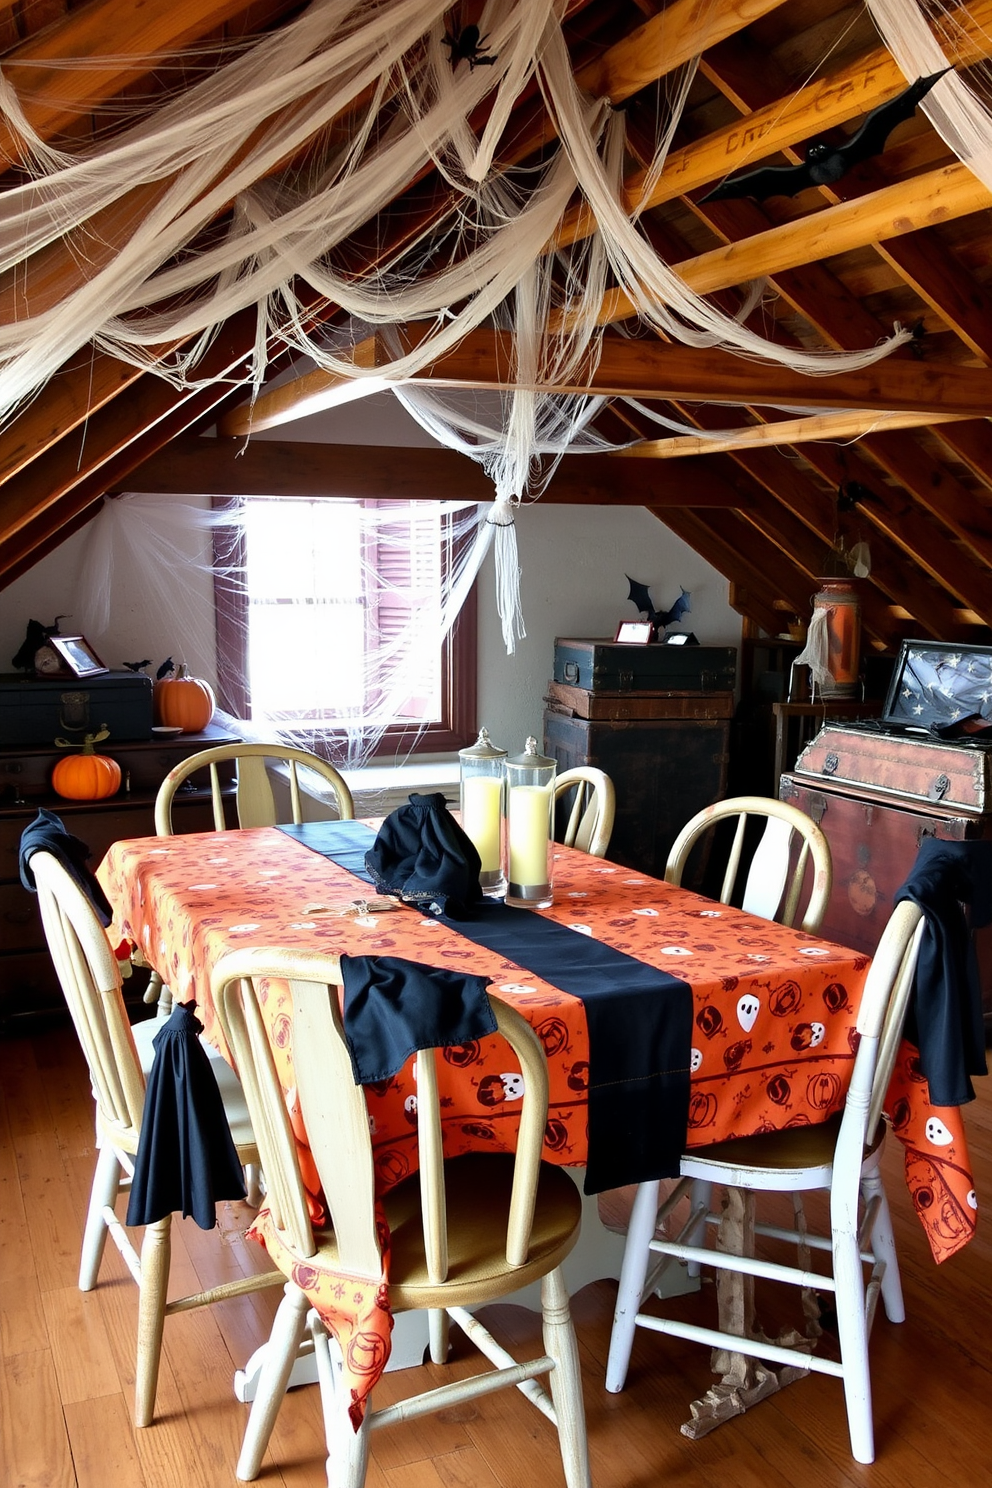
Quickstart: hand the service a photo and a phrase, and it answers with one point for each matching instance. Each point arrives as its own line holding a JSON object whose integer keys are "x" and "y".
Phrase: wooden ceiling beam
{"x": 229, "y": 467}
{"x": 796, "y": 499}
{"x": 738, "y": 551}
{"x": 819, "y": 426}
{"x": 131, "y": 39}
{"x": 652, "y": 369}
{"x": 793, "y": 118}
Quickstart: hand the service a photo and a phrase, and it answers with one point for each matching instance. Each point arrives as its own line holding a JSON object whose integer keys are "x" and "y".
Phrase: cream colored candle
{"x": 528, "y": 829}
{"x": 481, "y": 818}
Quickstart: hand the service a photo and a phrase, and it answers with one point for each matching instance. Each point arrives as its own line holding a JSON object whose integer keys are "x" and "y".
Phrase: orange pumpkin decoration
{"x": 87, "y": 776}
{"x": 184, "y": 702}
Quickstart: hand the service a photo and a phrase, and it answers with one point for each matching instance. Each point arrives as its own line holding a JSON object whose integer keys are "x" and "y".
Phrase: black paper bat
{"x": 641, "y": 596}
{"x": 137, "y": 666}
{"x": 167, "y": 666}
{"x": 825, "y": 163}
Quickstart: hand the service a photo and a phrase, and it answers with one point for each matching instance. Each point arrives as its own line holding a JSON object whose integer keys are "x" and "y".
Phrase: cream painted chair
{"x": 774, "y": 876}
{"x": 119, "y": 1058}
{"x": 254, "y": 796}
{"x": 591, "y": 809}
{"x": 254, "y": 799}
{"x": 840, "y": 1156}
{"x": 488, "y": 1224}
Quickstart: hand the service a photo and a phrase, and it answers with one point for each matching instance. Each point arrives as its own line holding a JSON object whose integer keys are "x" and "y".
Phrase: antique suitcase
{"x": 580, "y": 702}
{"x": 877, "y": 795}
{"x": 610, "y": 666}
{"x": 37, "y": 710}
{"x": 663, "y": 772}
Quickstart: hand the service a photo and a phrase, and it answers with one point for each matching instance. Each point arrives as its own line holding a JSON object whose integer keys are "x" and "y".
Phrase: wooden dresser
{"x": 28, "y": 985}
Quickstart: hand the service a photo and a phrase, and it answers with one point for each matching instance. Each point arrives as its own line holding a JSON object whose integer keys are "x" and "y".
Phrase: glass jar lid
{"x": 530, "y": 759}
{"x": 482, "y": 749}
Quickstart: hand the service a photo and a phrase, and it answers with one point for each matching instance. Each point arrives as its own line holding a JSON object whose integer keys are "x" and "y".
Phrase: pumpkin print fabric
{"x": 774, "y": 1009}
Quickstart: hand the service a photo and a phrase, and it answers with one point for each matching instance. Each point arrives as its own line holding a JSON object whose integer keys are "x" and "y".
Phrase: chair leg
{"x": 884, "y": 1246}
{"x": 103, "y": 1195}
{"x": 566, "y": 1380}
{"x": 253, "y": 1185}
{"x": 347, "y": 1449}
{"x": 437, "y": 1327}
{"x": 282, "y": 1348}
{"x": 853, "y": 1335}
{"x": 700, "y": 1197}
{"x": 156, "y": 1255}
{"x": 633, "y": 1272}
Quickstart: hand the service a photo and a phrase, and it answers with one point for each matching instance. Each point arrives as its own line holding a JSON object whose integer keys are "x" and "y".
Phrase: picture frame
{"x": 78, "y": 655}
{"x": 635, "y": 632}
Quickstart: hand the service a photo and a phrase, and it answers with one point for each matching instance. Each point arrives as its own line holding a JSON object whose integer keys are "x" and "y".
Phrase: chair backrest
{"x": 91, "y": 982}
{"x": 336, "y": 1118}
{"x": 775, "y": 875}
{"x": 591, "y": 809}
{"x": 884, "y": 1003}
{"x": 254, "y": 795}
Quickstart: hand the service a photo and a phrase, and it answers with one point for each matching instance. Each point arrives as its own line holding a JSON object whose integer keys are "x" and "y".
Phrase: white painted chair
{"x": 774, "y": 883}
{"x": 489, "y": 1223}
{"x": 253, "y": 793}
{"x": 254, "y": 799}
{"x": 591, "y": 809}
{"x": 119, "y": 1058}
{"x": 840, "y": 1156}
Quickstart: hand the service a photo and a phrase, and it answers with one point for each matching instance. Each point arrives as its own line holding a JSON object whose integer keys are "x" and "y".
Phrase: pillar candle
{"x": 528, "y": 829}
{"x": 481, "y": 818}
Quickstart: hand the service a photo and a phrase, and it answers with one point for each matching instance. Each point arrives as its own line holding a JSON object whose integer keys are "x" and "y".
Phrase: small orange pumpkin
{"x": 87, "y": 776}
{"x": 184, "y": 702}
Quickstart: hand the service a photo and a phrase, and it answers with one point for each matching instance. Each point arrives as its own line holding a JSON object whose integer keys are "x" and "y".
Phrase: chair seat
{"x": 478, "y": 1201}
{"x": 799, "y": 1156}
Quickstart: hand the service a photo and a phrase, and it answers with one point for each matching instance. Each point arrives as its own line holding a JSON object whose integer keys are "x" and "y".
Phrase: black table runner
{"x": 639, "y": 1020}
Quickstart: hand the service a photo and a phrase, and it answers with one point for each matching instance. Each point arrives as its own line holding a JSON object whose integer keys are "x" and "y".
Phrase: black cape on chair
{"x": 47, "y": 833}
{"x": 945, "y": 1013}
{"x": 186, "y": 1159}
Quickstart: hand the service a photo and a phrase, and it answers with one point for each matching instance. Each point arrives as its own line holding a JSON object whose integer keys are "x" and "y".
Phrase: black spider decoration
{"x": 467, "y": 44}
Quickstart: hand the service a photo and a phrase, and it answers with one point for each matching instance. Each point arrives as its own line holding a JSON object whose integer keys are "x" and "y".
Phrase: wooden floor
{"x": 67, "y": 1376}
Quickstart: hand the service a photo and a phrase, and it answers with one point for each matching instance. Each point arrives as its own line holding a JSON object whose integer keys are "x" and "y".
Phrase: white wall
{"x": 573, "y": 563}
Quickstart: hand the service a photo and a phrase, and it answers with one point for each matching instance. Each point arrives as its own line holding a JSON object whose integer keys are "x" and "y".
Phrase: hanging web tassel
{"x": 507, "y": 574}
{"x": 814, "y": 654}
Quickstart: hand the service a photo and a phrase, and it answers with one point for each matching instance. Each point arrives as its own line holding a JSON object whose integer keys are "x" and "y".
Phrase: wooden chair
{"x": 254, "y": 797}
{"x": 463, "y": 1233}
{"x": 840, "y": 1156}
{"x": 774, "y": 879}
{"x": 119, "y": 1058}
{"x": 592, "y": 809}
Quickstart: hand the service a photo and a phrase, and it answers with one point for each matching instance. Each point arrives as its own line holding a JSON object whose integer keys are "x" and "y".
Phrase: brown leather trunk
{"x": 877, "y": 796}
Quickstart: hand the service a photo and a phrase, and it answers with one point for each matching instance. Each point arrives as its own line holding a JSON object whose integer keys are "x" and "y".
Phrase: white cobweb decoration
{"x": 145, "y": 281}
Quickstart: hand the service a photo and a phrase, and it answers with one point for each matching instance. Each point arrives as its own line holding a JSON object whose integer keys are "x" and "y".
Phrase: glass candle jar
{"x": 530, "y": 802}
{"x": 482, "y": 772}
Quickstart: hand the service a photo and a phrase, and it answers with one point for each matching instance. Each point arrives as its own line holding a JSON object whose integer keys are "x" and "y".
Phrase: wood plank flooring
{"x": 67, "y": 1377}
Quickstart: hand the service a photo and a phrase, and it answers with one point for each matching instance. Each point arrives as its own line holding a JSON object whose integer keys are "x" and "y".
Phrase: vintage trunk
{"x": 609, "y": 666}
{"x": 663, "y": 771}
{"x": 877, "y": 795}
{"x": 38, "y": 710}
{"x": 581, "y": 702}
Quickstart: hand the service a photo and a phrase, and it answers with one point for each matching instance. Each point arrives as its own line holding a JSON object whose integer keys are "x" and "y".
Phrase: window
{"x": 329, "y": 615}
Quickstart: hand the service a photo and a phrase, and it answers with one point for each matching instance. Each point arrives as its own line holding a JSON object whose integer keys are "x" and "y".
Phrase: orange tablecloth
{"x": 774, "y": 1031}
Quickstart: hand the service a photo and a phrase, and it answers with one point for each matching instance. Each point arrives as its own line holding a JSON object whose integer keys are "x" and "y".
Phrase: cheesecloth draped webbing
{"x": 216, "y": 152}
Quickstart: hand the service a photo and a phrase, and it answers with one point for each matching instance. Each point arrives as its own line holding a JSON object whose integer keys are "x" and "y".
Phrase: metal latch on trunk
{"x": 939, "y": 788}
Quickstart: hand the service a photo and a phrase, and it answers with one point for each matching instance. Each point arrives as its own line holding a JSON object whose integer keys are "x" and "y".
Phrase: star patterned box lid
{"x": 939, "y": 688}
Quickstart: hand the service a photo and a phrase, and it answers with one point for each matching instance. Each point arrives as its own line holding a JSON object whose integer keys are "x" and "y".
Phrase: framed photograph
{"x": 635, "y": 632}
{"x": 78, "y": 655}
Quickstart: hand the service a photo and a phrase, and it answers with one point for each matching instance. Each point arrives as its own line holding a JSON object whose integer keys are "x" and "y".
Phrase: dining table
{"x": 766, "y": 1014}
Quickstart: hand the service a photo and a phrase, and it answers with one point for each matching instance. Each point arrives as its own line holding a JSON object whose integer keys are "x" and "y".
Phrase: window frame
{"x": 459, "y": 662}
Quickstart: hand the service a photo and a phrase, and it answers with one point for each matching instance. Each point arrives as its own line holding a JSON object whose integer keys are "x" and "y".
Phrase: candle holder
{"x": 482, "y": 785}
{"x": 530, "y": 800}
